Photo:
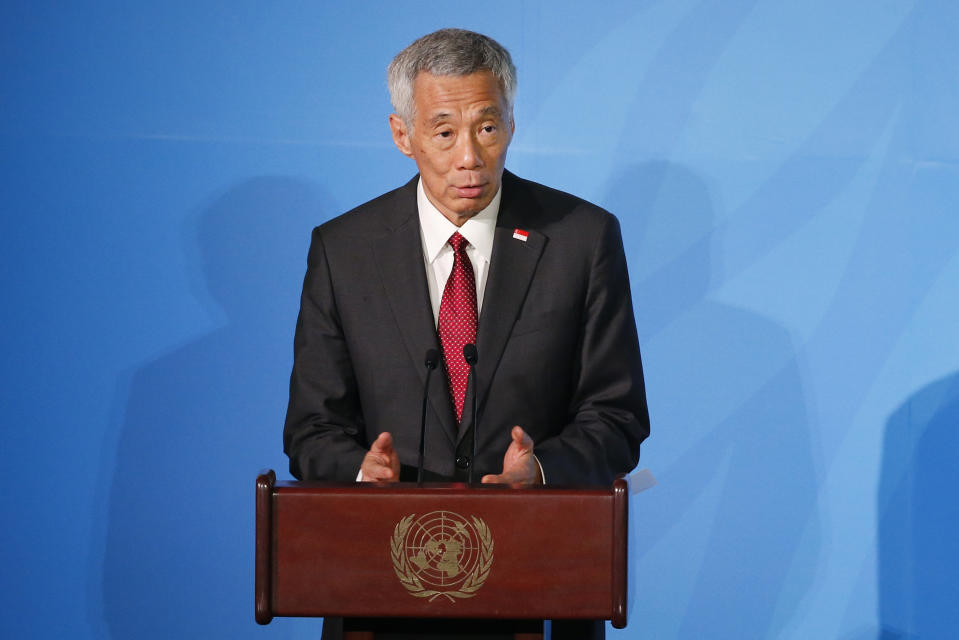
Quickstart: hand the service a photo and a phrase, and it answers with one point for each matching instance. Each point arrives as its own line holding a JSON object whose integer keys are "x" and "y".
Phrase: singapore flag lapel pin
{"x": 519, "y": 234}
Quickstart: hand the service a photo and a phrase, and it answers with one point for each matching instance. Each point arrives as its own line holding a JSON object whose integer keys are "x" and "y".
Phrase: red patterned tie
{"x": 457, "y": 321}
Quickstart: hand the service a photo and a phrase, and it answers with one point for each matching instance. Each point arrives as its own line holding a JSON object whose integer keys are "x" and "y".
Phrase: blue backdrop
{"x": 786, "y": 174}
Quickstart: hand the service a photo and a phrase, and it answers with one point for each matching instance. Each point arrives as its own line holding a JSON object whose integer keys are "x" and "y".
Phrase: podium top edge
{"x": 288, "y": 486}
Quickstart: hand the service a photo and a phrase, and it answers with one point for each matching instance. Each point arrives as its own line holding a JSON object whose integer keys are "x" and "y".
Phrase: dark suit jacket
{"x": 558, "y": 352}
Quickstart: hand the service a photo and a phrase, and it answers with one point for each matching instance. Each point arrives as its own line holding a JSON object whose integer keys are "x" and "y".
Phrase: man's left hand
{"x": 519, "y": 463}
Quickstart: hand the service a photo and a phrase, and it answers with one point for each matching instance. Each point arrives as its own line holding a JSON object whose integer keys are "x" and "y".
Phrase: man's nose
{"x": 468, "y": 152}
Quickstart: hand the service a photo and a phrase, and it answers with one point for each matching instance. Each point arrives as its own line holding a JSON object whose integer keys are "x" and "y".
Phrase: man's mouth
{"x": 470, "y": 191}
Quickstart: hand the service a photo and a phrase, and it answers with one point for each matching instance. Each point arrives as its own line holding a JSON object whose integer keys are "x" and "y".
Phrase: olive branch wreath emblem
{"x": 412, "y": 583}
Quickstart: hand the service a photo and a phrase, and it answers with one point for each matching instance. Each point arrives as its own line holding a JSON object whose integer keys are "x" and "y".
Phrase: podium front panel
{"x": 444, "y": 551}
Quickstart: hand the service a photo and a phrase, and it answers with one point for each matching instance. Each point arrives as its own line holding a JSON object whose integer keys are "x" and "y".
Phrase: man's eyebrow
{"x": 442, "y": 116}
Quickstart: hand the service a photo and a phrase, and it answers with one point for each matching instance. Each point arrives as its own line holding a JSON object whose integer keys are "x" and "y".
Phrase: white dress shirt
{"x": 435, "y": 232}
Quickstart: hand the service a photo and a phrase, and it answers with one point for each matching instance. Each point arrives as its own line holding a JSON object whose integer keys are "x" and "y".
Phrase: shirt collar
{"x": 437, "y": 229}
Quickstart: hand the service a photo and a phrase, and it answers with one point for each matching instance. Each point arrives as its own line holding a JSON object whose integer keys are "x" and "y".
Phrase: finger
{"x": 521, "y": 438}
{"x": 491, "y": 479}
{"x": 383, "y": 444}
{"x": 375, "y": 469}
{"x": 383, "y": 473}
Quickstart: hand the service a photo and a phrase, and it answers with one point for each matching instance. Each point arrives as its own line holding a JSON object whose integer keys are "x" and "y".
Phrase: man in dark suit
{"x": 558, "y": 381}
{"x": 466, "y": 253}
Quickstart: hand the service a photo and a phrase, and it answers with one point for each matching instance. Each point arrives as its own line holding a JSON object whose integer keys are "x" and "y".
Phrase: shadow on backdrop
{"x": 736, "y": 423}
{"x": 201, "y": 421}
{"x": 919, "y": 516}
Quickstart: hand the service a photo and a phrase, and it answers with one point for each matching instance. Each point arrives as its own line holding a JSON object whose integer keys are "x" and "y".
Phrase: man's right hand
{"x": 381, "y": 463}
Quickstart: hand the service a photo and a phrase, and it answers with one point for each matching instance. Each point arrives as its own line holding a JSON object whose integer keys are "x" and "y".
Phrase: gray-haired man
{"x": 558, "y": 383}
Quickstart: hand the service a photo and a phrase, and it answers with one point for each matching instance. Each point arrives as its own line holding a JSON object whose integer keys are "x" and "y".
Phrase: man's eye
{"x": 445, "y": 134}
{"x": 489, "y": 128}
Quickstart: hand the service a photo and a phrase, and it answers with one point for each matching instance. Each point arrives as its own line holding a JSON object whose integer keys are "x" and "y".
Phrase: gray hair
{"x": 448, "y": 52}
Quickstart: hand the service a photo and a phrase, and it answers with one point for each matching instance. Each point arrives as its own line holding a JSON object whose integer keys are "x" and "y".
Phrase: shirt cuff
{"x": 542, "y": 474}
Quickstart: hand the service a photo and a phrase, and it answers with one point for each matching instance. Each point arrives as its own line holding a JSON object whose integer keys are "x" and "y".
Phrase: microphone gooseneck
{"x": 472, "y": 357}
{"x": 432, "y": 359}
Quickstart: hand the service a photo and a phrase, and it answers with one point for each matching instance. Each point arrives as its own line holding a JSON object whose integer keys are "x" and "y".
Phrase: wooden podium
{"x": 377, "y": 552}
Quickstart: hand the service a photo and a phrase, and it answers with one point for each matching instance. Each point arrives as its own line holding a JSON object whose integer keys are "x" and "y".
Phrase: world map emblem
{"x": 441, "y": 553}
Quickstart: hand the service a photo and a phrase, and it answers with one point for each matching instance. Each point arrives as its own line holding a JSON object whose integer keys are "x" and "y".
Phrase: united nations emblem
{"x": 442, "y": 553}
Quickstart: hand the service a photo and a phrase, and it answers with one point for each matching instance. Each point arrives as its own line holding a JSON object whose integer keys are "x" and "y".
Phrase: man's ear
{"x": 401, "y": 136}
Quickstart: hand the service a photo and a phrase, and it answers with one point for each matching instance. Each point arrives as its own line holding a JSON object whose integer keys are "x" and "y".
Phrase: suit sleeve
{"x": 324, "y": 422}
{"x": 608, "y": 412}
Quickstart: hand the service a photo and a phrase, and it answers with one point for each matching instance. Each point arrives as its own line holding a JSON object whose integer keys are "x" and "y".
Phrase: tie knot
{"x": 458, "y": 242}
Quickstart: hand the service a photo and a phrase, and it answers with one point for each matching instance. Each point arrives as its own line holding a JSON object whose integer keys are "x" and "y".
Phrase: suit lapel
{"x": 512, "y": 267}
{"x": 399, "y": 258}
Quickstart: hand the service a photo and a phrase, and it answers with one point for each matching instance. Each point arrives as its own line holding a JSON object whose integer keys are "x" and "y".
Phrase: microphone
{"x": 472, "y": 357}
{"x": 470, "y": 354}
{"x": 432, "y": 360}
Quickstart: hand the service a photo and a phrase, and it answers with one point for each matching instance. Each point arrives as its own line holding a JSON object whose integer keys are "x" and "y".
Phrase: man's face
{"x": 459, "y": 141}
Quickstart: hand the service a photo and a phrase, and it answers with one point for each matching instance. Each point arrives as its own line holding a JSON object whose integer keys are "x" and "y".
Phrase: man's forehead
{"x": 442, "y": 96}
{"x": 427, "y": 82}
{"x": 424, "y": 74}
